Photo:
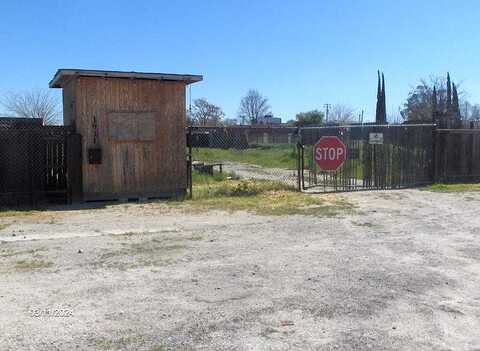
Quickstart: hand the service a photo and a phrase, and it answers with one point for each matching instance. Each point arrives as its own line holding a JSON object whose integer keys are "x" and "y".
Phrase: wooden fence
{"x": 457, "y": 155}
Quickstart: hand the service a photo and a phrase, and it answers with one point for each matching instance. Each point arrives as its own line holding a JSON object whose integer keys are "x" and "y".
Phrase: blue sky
{"x": 300, "y": 54}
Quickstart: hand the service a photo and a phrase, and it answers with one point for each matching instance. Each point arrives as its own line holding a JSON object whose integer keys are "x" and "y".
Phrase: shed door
{"x": 132, "y": 136}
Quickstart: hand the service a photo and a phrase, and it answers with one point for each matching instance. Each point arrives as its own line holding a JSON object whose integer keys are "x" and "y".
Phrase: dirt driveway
{"x": 249, "y": 171}
{"x": 401, "y": 273}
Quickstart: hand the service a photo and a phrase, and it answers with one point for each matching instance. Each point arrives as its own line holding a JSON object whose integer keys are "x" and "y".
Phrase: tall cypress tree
{"x": 379, "y": 99}
{"x": 384, "y": 102}
{"x": 449, "y": 95}
{"x": 434, "y": 105}
{"x": 455, "y": 104}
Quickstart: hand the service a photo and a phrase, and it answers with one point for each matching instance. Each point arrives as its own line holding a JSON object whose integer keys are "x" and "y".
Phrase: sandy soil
{"x": 401, "y": 273}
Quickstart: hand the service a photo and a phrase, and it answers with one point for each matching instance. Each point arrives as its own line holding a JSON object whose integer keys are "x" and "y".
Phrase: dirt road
{"x": 249, "y": 171}
{"x": 401, "y": 273}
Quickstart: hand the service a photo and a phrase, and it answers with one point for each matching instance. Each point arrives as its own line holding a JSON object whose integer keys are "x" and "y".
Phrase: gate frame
{"x": 432, "y": 166}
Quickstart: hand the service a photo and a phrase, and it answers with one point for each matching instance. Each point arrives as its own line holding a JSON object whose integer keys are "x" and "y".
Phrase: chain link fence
{"x": 264, "y": 155}
{"x": 32, "y": 162}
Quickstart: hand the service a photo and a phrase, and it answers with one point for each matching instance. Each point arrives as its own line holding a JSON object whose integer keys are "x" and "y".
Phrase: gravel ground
{"x": 401, "y": 273}
{"x": 286, "y": 176}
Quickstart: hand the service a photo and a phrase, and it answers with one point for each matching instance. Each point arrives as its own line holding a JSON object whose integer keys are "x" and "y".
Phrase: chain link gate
{"x": 377, "y": 157}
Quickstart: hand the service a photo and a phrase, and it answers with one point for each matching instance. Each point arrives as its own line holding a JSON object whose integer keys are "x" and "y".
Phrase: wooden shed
{"x": 132, "y": 128}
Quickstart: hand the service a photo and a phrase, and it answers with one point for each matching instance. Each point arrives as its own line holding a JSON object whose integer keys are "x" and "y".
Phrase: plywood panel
{"x": 131, "y": 126}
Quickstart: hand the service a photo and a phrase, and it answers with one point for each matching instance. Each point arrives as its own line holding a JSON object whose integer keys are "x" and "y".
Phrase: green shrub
{"x": 203, "y": 178}
{"x": 235, "y": 188}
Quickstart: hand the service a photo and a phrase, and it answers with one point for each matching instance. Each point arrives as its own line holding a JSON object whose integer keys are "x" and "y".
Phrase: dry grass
{"x": 261, "y": 197}
{"x": 452, "y": 188}
{"x": 33, "y": 264}
{"x": 225, "y": 192}
{"x": 136, "y": 251}
{"x": 17, "y": 213}
{"x": 276, "y": 203}
{"x": 33, "y": 252}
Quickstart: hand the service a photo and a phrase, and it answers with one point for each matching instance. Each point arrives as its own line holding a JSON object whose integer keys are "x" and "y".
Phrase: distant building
{"x": 269, "y": 120}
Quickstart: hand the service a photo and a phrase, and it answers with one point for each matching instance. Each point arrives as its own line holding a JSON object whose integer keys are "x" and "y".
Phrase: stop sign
{"x": 329, "y": 153}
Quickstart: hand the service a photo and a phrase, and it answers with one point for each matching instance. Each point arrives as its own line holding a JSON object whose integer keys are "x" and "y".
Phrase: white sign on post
{"x": 375, "y": 138}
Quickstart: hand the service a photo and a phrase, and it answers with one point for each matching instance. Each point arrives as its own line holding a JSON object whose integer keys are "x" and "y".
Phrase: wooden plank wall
{"x": 69, "y": 103}
{"x": 457, "y": 155}
{"x": 132, "y": 168}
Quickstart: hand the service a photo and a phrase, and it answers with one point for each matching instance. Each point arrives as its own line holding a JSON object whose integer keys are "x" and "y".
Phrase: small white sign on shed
{"x": 375, "y": 138}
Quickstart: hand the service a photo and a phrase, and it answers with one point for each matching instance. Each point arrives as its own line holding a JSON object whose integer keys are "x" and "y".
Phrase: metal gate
{"x": 377, "y": 157}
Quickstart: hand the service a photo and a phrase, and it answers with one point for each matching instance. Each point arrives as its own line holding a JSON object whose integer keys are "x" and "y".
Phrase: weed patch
{"x": 276, "y": 203}
{"x": 452, "y": 188}
{"x": 32, "y": 252}
{"x": 147, "y": 252}
{"x": 28, "y": 265}
{"x": 261, "y": 197}
{"x": 235, "y": 188}
{"x": 17, "y": 213}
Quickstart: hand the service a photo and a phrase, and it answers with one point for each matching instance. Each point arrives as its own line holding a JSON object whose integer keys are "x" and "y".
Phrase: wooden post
{"x": 74, "y": 168}
{"x": 302, "y": 166}
{"x": 435, "y": 159}
{"x": 189, "y": 163}
{"x": 299, "y": 186}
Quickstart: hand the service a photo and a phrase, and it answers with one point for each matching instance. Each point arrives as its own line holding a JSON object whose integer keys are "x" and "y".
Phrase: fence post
{"x": 435, "y": 161}
{"x": 299, "y": 160}
{"x": 299, "y": 186}
{"x": 189, "y": 162}
{"x": 303, "y": 167}
{"x": 74, "y": 167}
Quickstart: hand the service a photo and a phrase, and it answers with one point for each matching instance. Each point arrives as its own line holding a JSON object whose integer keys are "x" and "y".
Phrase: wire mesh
{"x": 32, "y": 162}
{"x": 264, "y": 155}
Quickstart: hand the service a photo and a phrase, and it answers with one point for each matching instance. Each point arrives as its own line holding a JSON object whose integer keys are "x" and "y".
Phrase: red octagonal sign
{"x": 329, "y": 153}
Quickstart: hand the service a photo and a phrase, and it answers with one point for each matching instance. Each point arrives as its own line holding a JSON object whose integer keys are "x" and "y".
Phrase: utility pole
{"x": 190, "y": 100}
{"x": 361, "y": 117}
{"x": 327, "y": 110}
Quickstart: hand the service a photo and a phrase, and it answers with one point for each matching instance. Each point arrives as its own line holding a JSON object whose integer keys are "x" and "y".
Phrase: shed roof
{"x": 63, "y": 75}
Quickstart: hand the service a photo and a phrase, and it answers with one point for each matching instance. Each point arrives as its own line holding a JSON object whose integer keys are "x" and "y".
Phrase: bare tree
{"x": 342, "y": 114}
{"x": 229, "y": 122}
{"x": 395, "y": 116}
{"x": 206, "y": 114}
{"x": 253, "y": 106}
{"x": 471, "y": 111}
{"x": 32, "y": 104}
